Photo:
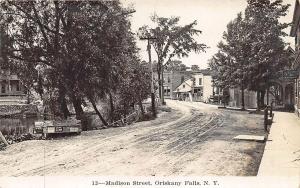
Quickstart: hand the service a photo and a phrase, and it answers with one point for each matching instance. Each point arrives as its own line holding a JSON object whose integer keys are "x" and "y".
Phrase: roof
{"x": 181, "y": 89}
{"x": 203, "y": 71}
{"x": 296, "y": 18}
{"x": 290, "y": 49}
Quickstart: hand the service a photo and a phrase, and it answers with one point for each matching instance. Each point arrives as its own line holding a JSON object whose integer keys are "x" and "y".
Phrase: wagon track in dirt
{"x": 176, "y": 143}
{"x": 184, "y": 135}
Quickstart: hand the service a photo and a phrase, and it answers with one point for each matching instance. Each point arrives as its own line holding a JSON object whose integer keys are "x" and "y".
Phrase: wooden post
{"x": 266, "y": 119}
{"x": 3, "y": 139}
{"x": 268, "y": 97}
{"x": 271, "y": 109}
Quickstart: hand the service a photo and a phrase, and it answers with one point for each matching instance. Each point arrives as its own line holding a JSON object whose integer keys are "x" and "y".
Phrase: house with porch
{"x": 198, "y": 87}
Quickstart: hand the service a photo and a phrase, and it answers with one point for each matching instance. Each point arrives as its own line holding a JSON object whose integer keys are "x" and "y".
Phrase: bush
{"x": 146, "y": 117}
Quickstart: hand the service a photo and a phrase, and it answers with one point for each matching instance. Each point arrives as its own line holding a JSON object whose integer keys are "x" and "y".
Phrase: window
{"x": 167, "y": 90}
{"x": 198, "y": 92}
{"x": 169, "y": 80}
{"x": 18, "y": 87}
{"x": 183, "y": 86}
{"x": 3, "y": 88}
{"x": 200, "y": 81}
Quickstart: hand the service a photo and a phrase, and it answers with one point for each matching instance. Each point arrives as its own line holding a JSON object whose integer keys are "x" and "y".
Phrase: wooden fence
{"x": 13, "y": 127}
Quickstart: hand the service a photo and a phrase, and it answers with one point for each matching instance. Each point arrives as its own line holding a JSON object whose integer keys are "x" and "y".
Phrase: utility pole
{"x": 152, "y": 76}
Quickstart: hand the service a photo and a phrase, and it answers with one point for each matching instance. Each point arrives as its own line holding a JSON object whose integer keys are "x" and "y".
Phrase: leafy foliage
{"x": 74, "y": 50}
{"x": 175, "y": 66}
{"x": 195, "y": 68}
{"x": 253, "y": 48}
{"x": 170, "y": 40}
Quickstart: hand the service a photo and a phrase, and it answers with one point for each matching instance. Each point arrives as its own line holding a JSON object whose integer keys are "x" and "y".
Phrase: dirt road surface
{"x": 192, "y": 139}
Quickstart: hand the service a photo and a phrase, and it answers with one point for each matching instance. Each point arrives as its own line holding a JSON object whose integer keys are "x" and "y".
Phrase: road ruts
{"x": 171, "y": 141}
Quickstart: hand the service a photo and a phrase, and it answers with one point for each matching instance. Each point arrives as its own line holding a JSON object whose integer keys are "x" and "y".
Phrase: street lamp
{"x": 152, "y": 85}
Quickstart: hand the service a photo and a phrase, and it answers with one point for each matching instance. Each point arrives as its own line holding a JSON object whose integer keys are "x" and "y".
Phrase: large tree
{"x": 175, "y": 66}
{"x": 195, "y": 67}
{"x": 81, "y": 45}
{"x": 222, "y": 70}
{"x": 267, "y": 55}
{"x": 236, "y": 47}
{"x": 171, "y": 40}
{"x": 254, "y": 48}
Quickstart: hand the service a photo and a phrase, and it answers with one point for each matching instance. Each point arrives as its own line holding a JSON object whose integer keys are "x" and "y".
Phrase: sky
{"x": 212, "y": 17}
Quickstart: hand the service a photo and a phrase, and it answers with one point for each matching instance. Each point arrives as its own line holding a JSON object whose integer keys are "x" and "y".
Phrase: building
{"x": 172, "y": 79}
{"x": 195, "y": 86}
{"x": 11, "y": 89}
{"x": 203, "y": 85}
{"x": 295, "y": 32}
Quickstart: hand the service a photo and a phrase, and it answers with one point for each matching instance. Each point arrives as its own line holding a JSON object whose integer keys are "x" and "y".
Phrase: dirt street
{"x": 193, "y": 139}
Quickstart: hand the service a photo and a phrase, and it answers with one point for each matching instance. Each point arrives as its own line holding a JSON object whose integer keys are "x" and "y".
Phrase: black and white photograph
{"x": 150, "y": 93}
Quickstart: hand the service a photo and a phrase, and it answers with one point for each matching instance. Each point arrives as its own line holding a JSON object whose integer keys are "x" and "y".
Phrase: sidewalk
{"x": 282, "y": 152}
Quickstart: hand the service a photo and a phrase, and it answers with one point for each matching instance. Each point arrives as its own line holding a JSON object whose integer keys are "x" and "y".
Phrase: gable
{"x": 186, "y": 86}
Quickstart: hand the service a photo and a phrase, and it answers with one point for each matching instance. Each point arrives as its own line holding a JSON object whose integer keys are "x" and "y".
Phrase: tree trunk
{"x": 141, "y": 107}
{"x": 125, "y": 109}
{"x": 159, "y": 81}
{"x": 28, "y": 96}
{"x": 112, "y": 109}
{"x": 257, "y": 100}
{"x": 77, "y": 106}
{"x": 162, "y": 86}
{"x": 64, "y": 107}
{"x": 268, "y": 95}
{"x": 98, "y": 113}
{"x": 243, "y": 97}
{"x": 63, "y": 102}
{"x": 262, "y": 98}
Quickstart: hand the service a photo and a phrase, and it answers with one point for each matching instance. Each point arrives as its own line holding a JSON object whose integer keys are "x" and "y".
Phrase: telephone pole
{"x": 152, "y": 77}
